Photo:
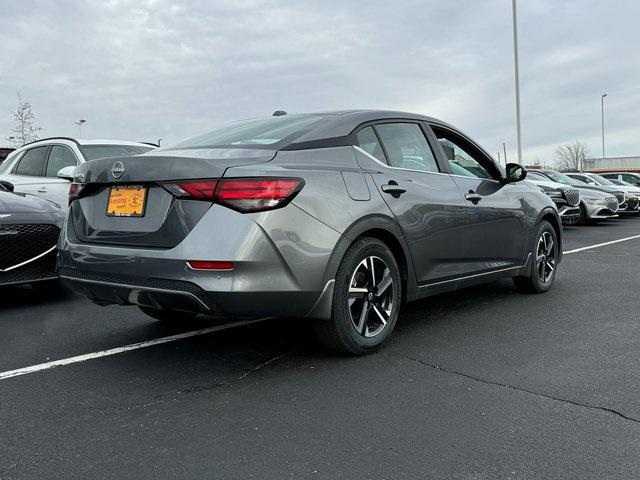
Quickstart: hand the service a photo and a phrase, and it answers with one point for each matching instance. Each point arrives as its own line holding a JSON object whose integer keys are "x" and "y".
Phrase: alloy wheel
{"x": 370, "y": 299}
{"x": 546, "y": 257}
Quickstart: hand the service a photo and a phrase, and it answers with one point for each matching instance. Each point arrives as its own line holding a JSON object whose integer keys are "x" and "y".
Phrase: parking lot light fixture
{"x": 516, "y": 62}
{"x": 602, "y": 122}
{"x": 80, "y": 123}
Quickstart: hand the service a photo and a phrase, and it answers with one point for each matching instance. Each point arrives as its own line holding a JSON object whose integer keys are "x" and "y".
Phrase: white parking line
{"x": 582, "y": 249}
{"x": 126, "y": 348}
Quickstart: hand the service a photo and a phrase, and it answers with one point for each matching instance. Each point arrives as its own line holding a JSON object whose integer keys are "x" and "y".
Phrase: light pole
{"x": 517, "y": 74}
{"x": 602, "y": 117}
{"x": 80, "y": 123}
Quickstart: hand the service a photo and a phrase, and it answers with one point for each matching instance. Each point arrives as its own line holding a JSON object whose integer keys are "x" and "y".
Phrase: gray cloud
{"x": 160, "y": 69}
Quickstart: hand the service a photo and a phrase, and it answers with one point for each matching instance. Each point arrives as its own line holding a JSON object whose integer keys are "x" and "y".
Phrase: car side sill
{"x": 477, "y": 275}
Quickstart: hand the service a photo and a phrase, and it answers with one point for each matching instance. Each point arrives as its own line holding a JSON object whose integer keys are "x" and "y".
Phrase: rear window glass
{"x": 32, "y": 164}
{"x": 91, "y": 152}
{"x": 253, "y": 133}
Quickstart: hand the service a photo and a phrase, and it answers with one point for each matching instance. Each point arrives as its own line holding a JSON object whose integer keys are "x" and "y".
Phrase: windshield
{"x": 562, "y": 178}
{"x": 263, "y": 131}
{"x": 91, "y": 152}
{"x": 600, "y": 180}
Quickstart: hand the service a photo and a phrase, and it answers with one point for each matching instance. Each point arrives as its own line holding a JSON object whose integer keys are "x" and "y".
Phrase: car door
{"x": 425, "y": 201}
{"x": 28, "y": 173}
{"x": 52, "y": 187}
{"x": 495, "y": 230}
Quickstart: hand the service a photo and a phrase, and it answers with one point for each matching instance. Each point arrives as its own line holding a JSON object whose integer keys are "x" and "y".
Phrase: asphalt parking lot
{"x": 479, "y": 384}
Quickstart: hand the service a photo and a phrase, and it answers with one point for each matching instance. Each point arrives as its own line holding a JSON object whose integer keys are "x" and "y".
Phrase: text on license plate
{"x": 127, "y": 201}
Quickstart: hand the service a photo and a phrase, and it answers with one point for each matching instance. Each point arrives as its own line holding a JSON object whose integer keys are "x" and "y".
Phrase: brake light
{"x": 196, "y": 190}
{"x": 75, "y": 189}
{"x": 242, "y": 194}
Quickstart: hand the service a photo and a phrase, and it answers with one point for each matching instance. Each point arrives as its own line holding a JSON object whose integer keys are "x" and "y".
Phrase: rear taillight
{"x": 242, "y": 194}
{"x": 196, "y": 190}
{"x": 75, "y": 190}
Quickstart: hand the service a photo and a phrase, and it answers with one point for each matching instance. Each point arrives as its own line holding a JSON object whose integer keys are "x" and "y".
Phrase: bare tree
{"x": 24, "y": 131}
{"x": 571, "y": 156}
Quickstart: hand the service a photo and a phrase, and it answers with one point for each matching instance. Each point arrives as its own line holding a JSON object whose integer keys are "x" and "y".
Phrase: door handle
{"x": 42, "y": 190}
{"x": 392, "y": 188}
{"x": 473, "y": 197}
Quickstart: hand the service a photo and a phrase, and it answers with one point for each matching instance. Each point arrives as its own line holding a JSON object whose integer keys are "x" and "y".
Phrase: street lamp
{"x": 517, "y": 74}
{"x": 602, "y": 116}
{"x": 80, "y": 123}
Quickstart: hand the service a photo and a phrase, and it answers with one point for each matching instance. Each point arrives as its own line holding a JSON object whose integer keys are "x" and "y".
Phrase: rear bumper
{"x": 275, "y": 272}
{"x": 183, "y": 295}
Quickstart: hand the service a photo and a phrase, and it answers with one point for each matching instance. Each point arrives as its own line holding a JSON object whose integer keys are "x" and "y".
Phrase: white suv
{"x": 47, "y": 166}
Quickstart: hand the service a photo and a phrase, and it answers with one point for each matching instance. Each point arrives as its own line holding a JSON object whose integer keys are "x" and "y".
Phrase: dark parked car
{"x": 566, "y": 198}
{"x": 338, "y": 217}
{"x": 29, "y": 230}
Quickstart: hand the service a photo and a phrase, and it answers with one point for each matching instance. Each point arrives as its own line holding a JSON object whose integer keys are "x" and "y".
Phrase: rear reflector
{"x": 242, "y": 194}
{"x": 207, "y": 265}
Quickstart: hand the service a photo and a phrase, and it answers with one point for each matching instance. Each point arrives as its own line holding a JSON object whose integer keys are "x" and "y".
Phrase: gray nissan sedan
{"x": 338, "y": 217}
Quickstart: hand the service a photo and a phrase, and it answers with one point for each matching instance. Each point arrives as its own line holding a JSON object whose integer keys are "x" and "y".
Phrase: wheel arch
{"x": 551, "y": 216}
{"x": 383, "y": 228}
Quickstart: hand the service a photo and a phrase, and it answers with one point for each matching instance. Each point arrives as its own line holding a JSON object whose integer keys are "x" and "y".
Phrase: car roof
{"x": 339, "y": 123}
{"x": 86, "y": 141}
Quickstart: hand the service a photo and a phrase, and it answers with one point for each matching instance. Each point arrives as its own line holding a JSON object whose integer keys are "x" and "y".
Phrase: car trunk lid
{"x": 165, "y": 220}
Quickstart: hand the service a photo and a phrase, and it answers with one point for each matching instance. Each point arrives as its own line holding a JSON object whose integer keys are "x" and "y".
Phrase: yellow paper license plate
{"x": 127, "y": 201}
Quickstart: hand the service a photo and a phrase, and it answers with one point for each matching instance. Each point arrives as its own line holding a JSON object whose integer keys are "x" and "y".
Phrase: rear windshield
{"x": 91, "y": 152}
{"x": 257, "y": 132}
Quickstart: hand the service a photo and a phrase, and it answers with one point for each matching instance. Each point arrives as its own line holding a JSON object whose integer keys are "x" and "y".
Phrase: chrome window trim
{"x": 364, "y": 152}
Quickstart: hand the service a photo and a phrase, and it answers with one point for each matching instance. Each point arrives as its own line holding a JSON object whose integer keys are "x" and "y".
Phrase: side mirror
{"x": 67, "y": 173}
{"x": 8, "y": 186}
{"x": 515, "y": 172}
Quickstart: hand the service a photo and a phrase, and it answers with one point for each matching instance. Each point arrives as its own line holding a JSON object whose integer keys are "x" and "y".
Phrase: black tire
{"x": 169, "y": 316}
{"x": 341, "y": 333}
{"x": 534, "y": 282}
{"x": 583, "y": 215}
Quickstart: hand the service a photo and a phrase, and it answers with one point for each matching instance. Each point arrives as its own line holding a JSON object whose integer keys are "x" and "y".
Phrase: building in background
{"x": 627, "y": 164}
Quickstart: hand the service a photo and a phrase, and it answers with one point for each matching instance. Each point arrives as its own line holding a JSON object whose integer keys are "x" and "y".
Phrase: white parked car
{"x": 46, "y": 167}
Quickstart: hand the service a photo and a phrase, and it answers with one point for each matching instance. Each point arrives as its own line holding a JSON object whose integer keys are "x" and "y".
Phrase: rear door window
{"x": 407, "y": 147}
{"x": 59, "y": 157}
{"x": 368, "y": 141}
{"x": 32, "y": 163}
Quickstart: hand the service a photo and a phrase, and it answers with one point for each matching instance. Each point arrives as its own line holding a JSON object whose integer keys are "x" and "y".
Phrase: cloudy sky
{"x": 154, "y": 69}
